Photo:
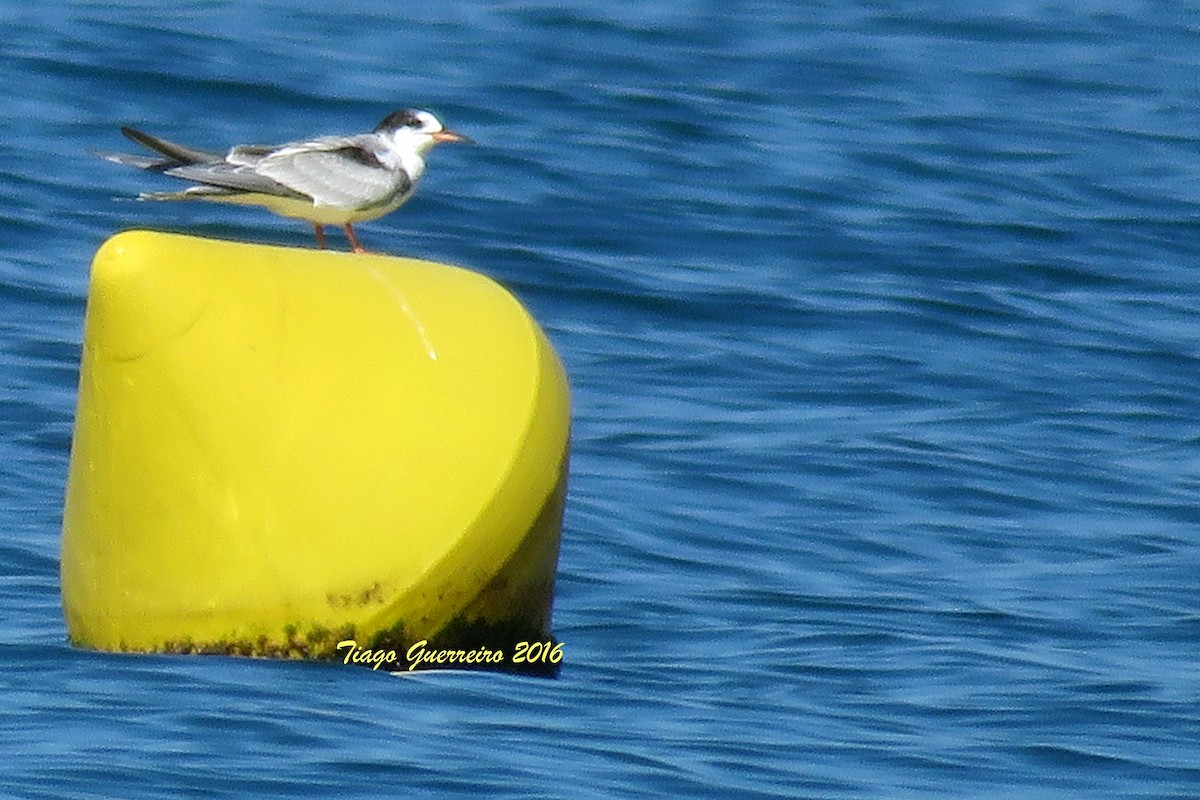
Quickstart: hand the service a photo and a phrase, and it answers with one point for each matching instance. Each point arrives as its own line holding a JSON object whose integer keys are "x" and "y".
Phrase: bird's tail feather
{"x": 191, "y": 193}
{"x": 165, "y": 196}
{"x": 178, "y": 153}
{"x": 140, "y": 162}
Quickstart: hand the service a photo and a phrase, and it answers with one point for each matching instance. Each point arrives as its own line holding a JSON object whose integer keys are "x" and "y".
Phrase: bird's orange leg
{"x": 354, "y": 245}
{"x": 320, "y": 231}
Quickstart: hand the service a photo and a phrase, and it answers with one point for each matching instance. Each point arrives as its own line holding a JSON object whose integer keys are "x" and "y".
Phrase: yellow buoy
{"x": 277, "y": 450}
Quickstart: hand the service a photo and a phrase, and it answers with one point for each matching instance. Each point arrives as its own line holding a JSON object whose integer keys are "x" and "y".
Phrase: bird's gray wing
{"x": 235, "y": 178}
{"x": 339, "y": 171}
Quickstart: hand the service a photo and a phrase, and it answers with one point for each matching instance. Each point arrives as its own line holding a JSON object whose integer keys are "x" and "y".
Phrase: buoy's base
{"x": 469, "y": 640}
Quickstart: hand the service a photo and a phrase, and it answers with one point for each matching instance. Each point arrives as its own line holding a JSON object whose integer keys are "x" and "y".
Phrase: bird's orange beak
{"x": 452, "y": 136}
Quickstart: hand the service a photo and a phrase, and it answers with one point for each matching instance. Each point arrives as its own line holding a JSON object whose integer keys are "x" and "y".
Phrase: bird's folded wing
{"x": 234, "y": 178}
{"x": 334, "y": 172}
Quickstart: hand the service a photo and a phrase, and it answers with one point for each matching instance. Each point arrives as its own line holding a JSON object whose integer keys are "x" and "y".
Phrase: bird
{"x": 328, "y": 180}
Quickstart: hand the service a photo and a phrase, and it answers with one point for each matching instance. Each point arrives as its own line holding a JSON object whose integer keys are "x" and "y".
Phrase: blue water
{"x": 882, "y": 325}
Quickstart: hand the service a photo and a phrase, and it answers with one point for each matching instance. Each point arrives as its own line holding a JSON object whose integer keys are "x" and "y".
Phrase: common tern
{"x": 330, "y": 180}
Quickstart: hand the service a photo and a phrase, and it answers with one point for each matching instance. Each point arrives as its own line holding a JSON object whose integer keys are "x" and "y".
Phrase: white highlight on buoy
{"x": 402, "y": 302}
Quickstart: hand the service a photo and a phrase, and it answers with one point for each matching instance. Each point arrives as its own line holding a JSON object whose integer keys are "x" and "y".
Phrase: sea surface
{"x": 882, "y": 321}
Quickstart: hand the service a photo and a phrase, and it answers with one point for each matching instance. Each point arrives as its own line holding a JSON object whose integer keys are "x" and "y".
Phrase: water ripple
{"x": 881, "y": 332}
